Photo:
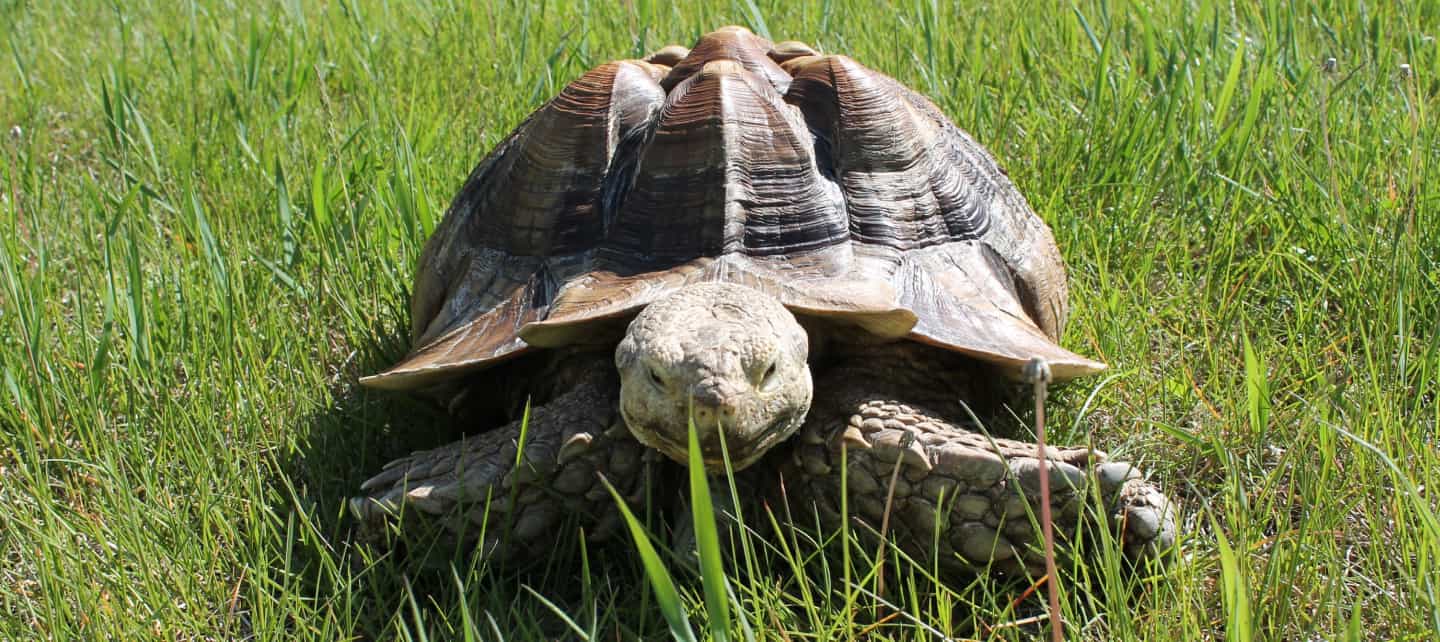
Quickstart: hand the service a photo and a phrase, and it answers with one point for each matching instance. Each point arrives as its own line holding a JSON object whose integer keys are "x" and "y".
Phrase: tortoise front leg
{"x": 479, "y": 487}
{"x": 958, "y": 495}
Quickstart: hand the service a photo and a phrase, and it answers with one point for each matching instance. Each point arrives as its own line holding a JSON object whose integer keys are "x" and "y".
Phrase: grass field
{"x": 209, "y": 214}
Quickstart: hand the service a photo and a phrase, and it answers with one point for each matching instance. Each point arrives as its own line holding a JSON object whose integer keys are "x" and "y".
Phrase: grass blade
{"x": 707, "y": 540}
{"x": 1234, "y": 594}
{"x": 1232, "y": 78}
{"x": 665, "y": 593}
{"x": 757, "y": 19}
{"x": 1257, "y": 389}
{"x": 560, "y": 613}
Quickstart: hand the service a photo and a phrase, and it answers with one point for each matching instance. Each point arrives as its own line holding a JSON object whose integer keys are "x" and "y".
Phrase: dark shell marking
{"x": 815, "y": 180}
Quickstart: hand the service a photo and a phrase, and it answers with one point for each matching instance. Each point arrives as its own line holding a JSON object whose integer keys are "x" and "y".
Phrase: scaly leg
{"x": 968, "y": 499}
{"x": 478, "y": 483}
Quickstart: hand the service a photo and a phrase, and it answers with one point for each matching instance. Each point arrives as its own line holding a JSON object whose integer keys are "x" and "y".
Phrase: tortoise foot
{"x": 1145, "y": 520}
{"x": 466, "y": 489}
{"x": 514, "y": 485}
{"x": 970, "y": 500}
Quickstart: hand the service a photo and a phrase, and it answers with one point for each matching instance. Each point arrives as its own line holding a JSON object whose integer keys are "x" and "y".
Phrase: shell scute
{"x": 730, "y": 43}
{"x": 523, "y": 222}
{"x": 808, "y": 177}
{"x": 889, "y": 157}
{"x": 729, "y": 168}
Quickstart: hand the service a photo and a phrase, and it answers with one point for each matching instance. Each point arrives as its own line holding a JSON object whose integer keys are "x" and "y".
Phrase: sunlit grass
{"x": 210, "y": 215}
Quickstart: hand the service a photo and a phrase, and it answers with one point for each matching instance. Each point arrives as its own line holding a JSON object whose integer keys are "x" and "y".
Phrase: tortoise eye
{"x": 655, "y": 378}
{"x": 768, "y": 380}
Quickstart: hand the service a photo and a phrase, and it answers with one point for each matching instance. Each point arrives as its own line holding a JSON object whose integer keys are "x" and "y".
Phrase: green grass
{"x": 209, "y": 215}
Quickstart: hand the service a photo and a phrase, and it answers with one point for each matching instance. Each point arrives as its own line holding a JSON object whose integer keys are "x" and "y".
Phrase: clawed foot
{"x": 971, "y": 499}
{"x": 461, "y": 487}
{"x": 490, "y": 489}
{"x": 1144, "y": 517}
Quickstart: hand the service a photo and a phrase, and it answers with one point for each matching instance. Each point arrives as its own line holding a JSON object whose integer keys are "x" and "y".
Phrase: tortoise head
{"x": 730, "y": 357}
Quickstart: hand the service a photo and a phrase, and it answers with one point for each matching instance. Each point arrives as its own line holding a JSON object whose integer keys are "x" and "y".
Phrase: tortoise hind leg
{"x": 961, "y": 497}
{"x": 478, "y": 487}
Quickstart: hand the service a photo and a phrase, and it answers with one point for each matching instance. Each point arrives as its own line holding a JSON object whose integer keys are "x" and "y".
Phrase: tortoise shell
{"x": 811, "y": 178}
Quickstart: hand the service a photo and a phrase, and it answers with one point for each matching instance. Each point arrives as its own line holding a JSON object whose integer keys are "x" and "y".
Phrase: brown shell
{"x": 820, "y": 182}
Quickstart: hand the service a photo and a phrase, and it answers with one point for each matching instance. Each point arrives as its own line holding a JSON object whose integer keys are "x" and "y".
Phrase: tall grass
{"x": 210, "y": 213}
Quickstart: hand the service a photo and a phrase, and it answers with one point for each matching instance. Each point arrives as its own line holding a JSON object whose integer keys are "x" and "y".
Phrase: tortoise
{"x": 796, "y": 252}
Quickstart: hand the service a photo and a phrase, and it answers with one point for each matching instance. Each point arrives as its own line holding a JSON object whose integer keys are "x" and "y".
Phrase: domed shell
{"x": 814, "y": 179}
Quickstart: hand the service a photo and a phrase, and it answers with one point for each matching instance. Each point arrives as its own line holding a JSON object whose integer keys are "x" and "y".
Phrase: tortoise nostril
{"x": 709, "y": 415}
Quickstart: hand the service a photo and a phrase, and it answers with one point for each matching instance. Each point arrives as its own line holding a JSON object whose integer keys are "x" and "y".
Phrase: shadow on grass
{"x": 425, "y": 584}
